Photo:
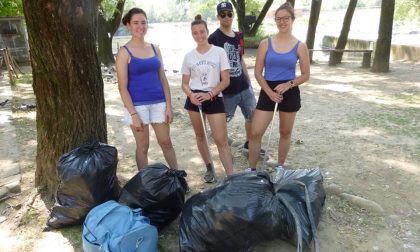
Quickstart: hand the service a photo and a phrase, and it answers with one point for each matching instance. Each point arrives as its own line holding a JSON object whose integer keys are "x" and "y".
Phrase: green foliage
{"x": 108, "y": 7}
{"x": 11, "y": 8}
{"x": 408, "y": 10}
{"x": 253, "y": 42}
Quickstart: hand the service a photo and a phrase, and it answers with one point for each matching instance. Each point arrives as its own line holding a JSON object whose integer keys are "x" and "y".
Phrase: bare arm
{"x": 166, "y": 89}
{"x": 122, "y": 75}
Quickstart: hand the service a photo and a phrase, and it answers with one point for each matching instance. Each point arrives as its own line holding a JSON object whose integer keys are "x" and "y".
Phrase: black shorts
{"x": 209, "y": 107}
{"x": 290, "y": 102}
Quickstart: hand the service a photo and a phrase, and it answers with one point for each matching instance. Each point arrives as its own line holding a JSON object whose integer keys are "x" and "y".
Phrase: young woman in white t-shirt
{"x": 205, "y": 73}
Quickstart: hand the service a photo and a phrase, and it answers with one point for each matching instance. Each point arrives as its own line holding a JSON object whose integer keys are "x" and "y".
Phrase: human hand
{"x": 282, "y": 88}
{"x": 137, "y": 123}
{"x": 194, "y": 99}
{"x": 169, "y": 117}
{"x": 202, "y": 97}
{"x": 275, "y": 97}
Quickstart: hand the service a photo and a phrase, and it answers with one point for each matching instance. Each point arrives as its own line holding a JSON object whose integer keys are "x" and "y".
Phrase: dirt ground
{"x": 360, "y": 128}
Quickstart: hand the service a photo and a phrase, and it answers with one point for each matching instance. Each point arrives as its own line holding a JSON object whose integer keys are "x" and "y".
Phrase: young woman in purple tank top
{"x": 278, "y": 56}
{"x": 144, "y": 90}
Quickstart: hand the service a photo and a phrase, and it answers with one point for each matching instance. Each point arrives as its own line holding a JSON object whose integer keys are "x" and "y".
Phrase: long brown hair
{"x": 127, "y": 17}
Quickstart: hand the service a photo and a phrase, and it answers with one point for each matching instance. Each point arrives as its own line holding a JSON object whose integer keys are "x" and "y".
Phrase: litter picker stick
{"x": 207, "y": 142}
{"x": 269, "y": 135}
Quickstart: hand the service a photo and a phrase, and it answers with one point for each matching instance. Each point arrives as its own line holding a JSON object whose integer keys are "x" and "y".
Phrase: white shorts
{"x": 153, "y": 113}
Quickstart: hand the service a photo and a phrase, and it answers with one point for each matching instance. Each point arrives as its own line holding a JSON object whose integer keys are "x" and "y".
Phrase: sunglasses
{"x": 224, "y": 14}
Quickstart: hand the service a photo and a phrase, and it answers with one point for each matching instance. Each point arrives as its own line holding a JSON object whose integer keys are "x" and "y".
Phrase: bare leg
{"x": 219, "y": 130}
{"x": 247, "y": 128}
{"x": 260, "y": 122}
{"x": 287, "y": 120}
{"x": 162, "y": 132}
{"x": 142, "y": 146}
{"x": 199, "y": 136}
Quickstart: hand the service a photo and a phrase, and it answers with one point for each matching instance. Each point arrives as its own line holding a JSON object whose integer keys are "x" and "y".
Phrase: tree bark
{"x": 313, "y": 22}
{"x": 335, "y": 57}
{"x": 383, "y": 44}
{"x": 106, "y": 31}
{"x": 67, "y": 81}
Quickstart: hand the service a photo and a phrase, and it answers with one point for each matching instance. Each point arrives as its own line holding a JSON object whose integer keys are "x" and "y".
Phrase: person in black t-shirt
{"x": 239, "y": 92}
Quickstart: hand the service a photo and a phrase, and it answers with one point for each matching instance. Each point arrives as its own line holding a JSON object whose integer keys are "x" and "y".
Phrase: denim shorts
{"x": 245, "y": 100}
{"x": 151, "y": 113}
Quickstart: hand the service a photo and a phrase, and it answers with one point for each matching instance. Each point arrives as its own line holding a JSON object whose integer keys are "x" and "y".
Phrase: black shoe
{"x": 245, "y": 149}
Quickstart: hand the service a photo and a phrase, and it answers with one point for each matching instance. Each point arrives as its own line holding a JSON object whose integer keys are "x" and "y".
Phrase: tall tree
{"x": 313, "y": 22}
{"x": 67, "y": 80}
{"x": 250, "y": 29}
{"x": 335, "y": 57}
{"x": 292, "y": 2}
{"x": 383, "y": 44}
{"x": 107, "y": 26}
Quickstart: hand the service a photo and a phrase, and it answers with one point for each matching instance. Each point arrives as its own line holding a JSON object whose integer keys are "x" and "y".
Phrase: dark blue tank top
{"x": 144, "y": 83}
{"x": 280, "y": 66}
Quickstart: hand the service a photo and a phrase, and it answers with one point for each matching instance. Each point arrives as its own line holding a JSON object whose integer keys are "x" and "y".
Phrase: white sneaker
{"x": 249, "y": 170}
{"x": 279, "y": 171}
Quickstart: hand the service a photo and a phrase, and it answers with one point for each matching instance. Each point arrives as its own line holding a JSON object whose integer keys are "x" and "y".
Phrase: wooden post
{"x": 366, "y": 59}
{"x": 8, "y": 67}
{"x": 11, "y": 62}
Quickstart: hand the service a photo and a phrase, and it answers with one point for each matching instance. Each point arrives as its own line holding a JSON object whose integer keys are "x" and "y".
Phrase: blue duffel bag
{"x": 113, "y": 227}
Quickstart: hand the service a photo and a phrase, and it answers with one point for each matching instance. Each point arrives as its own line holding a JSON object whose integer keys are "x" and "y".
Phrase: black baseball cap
{"x": 224, "y": 6}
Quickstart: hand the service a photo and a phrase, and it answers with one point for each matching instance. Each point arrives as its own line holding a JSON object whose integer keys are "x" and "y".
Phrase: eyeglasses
{"x": 224, "y": 14}
{"x": 283, "y": 19}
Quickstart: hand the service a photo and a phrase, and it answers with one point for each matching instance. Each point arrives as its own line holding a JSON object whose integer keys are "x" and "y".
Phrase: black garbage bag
{"x": 158, "y": 191}
{"x": 246, "y": 209}
{"x": 87, "y": 178}
{"x": 303, "y": 194}
{"x": 237, "y": 214}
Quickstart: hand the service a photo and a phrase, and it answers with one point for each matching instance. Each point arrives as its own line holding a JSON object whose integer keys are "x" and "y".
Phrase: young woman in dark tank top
{"x": 275, "y": 71}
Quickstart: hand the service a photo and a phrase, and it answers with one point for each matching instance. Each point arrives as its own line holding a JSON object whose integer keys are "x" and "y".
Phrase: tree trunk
{"x": 106, "y": 31}
{"x": 335, "y": 57}
{"x": 292, "y": 2}
{"x": 67, "y": 81}
{"x": 313, "y": 22}
{"x": 250, "y": 30}
{"x": 383, "y": 44}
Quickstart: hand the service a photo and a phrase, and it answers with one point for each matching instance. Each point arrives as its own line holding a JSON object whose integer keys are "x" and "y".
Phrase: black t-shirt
{"x": 238, "y": 79}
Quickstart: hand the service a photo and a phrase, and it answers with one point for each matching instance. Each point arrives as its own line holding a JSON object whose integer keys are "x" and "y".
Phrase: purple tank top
{"x": 280, "y": 66}
{"x": 144, "y": 83}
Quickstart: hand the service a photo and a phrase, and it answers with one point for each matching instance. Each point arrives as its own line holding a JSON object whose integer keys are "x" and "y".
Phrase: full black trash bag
{"x": 243, "y": 210}
{"x": 291, "y": 191}
{"x": 87, "y": 178}
{"x": 158, "y": 191}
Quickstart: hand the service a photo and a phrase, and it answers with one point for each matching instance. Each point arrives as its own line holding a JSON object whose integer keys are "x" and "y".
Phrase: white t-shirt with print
{"x": 204, "y": 69}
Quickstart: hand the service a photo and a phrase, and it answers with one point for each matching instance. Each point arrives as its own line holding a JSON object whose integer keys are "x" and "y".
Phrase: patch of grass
{"x": 253, "y": 42}
{"x": 408, "y": 98}
{"x": 74, "y": 236}
{"x": 24, "y": 78}
{"x": 394, "y": 122}
{"x": 29, "y": 216}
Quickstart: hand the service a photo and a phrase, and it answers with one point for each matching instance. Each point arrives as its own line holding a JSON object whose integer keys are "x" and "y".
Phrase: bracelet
{"x": 211, "y": 95}
{"x": 135, "y": 113}
{"x": 292, "y": 84}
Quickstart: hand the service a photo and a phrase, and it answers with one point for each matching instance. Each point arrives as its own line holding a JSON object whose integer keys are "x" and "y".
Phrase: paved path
{"x": 9, "y": 156}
